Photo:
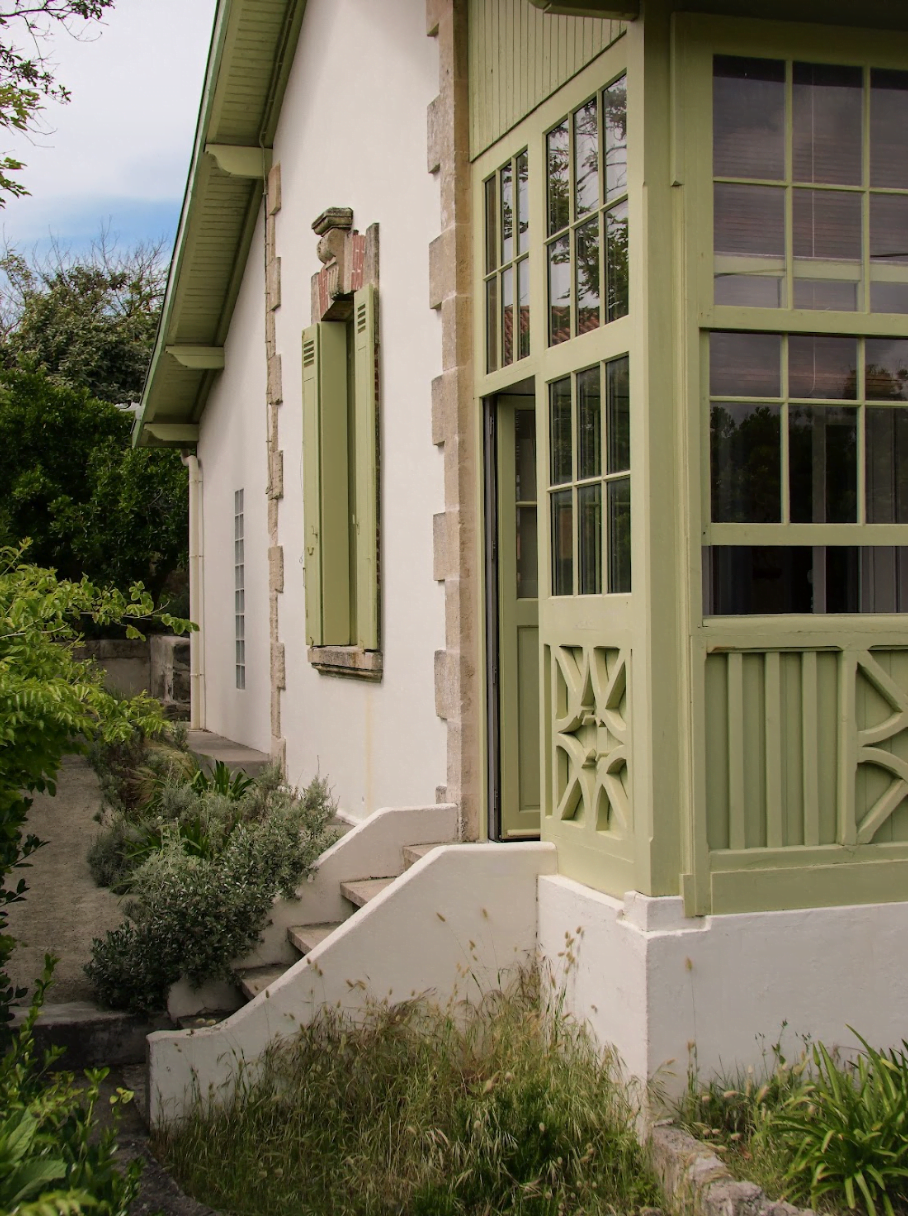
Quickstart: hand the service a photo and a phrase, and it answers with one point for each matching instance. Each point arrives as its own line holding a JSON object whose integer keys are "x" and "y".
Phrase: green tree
{"x": 90, "y": 503}
{"x": 85, "y": 322}
{"x": 27, "y": 76}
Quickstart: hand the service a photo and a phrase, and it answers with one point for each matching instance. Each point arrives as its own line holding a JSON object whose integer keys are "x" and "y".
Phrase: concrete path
{"x": 63, "y": 909}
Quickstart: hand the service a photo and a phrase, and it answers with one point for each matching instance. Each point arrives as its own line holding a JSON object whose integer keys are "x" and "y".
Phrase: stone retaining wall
{"x": 159, "y": 665}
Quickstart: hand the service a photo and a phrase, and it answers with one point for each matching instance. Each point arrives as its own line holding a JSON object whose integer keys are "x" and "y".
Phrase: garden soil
{"x": 63, "y": 909}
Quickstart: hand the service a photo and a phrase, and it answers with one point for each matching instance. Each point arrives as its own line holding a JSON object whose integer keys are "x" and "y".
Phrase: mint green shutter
{"x": 365, "y": 398}
{"x": 311, "y": 490}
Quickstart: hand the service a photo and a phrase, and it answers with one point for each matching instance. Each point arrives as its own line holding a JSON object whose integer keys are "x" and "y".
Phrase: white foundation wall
{"x": 653, "y": 983}
{"x": 231, "y": 453}
{"x": 353, "y": 134}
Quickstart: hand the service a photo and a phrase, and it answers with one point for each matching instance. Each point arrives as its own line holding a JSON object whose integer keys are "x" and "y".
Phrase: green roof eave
{"x": 249, "y": 61}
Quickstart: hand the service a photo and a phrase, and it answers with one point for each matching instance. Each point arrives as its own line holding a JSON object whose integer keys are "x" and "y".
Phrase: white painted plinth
{"x": 651, "y": 982}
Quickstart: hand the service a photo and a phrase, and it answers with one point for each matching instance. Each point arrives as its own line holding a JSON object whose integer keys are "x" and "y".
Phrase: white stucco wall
{"x": 353, "y": 133}
{"x": 232, "y": 457}
{"x": 653, "y": 982}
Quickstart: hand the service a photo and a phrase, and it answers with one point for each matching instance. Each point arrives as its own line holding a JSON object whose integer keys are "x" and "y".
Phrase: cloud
{"x": 120, "y": 150}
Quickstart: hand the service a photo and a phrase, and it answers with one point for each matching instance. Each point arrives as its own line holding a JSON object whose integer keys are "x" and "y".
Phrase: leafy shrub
{"x": 53, "y": 1157}
{"x": 194, "y": 910}
{"x": 494, "y": 1108}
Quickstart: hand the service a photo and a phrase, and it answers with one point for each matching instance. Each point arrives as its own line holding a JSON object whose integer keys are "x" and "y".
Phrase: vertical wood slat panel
{"x": 773, "y": 718}
{"x": 847, "y": 825}
{"x": 810, "y": 751}
{"x": 519, "y": 56}
{"x": 736, "y": 832}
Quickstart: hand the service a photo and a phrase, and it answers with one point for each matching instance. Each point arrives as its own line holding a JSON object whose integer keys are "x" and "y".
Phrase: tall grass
{"x": 495, "y": 1108}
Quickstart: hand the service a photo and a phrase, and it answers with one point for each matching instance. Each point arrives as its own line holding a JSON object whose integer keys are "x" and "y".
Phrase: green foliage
{"x": 202, "y": 884}
{"x": 85, "y": 322}
{"x": 231, "y": 786}
{"x": 495, "y": 1108}
{"x": 50, "y": 701}
{"x": 91, "y": 504}
{"x": 817, "y": 1131}
{"x": 54, "y": 1161}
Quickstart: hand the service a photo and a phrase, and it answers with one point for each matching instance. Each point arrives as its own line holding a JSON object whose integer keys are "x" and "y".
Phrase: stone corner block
{"x": 278, "y": 665}
{"x": 279, "y": 753}
{"x": 441, "y": 546}
{"x": 444, "y": 407}
{"x": 439, "y": 276}
{"x": 435, "y": 120}
{"x": 433, "y": 17}
{"x": 443, "y": 679}
{"x": 276, "y": 568}
{"x": 275, "y": 386}
{"x": 273, "y": 284}
{"x": 277, "y": 475}
{"x": 274, "y": 189}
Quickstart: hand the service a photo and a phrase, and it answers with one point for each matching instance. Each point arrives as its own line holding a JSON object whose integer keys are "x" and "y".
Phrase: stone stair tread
{"x": 198, "y": 1021}
{"x": 306, "y": 937}
{"x": 253, "y": 980}
{"x": 416, "y": 852}
{"x": 364, "y": 889}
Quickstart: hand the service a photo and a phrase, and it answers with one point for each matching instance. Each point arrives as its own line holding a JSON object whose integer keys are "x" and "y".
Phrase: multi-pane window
{"x": 810, "y": 167}
{"x": 507, "y": 263}
{"x": 589, "y": 476}
{"x": 586, "y": 220}
{"x": 239, "y": 588}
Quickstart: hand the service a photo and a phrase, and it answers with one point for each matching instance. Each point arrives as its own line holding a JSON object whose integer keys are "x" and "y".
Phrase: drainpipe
{"x": 196, "y": 595}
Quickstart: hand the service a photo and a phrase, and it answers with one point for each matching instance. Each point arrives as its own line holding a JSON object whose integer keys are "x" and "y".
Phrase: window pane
{"x": 559, "y": 290}
{"x": 886, "y": 464}
{"x": 887, "y": 369}
{"x": 560, "y": 431}
{"x": 746, "y": 463}
{"x": 507, "y": 214}
{"x": 559, "y": 177}
{"x": 616, "y": 253}
{"x": 822, "y": 367}
{"x": 562, "y": 543}
{"x": 491, "y": 225}
{"x": 587, "y": 246}
{"x": 827, "y": 225}
{"x": 744, "y": 580}
{"x": 889, "y": 229}
{"x": 492, "y": 325}
{"x": 884, "y": 579}
{"x": 745, "y": 365}
{"x": 507, "y": 306}
{"x": 825, "y": 295}
{"x": 523, "y": 302}
{"x": 614, "y": 118}
{"x": 889, "y": 129}
{"x": 525, "y": 455}
{"x": 589, "y": 511}
{"x": 618, "y": 415}
{"x": 748, "y": 117}
{"x": 750, "y": 220}
{"x": 823, "y": 465}
{"x": 589, "y": 424}
{"x": 527, "y": 554}
{"x": 523, "y": 204}
{"x": 827, "y": 124}
{"x": 619, "y": 536}
{"x": 586, "y": 158}
{"x": 889, "y": 297}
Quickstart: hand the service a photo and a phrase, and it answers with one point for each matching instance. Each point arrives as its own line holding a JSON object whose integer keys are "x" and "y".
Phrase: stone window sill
{"x": 346, "y": 661}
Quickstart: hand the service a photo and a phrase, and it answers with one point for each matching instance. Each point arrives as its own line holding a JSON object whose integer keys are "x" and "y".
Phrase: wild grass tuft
{"x": 485, "y": 1109}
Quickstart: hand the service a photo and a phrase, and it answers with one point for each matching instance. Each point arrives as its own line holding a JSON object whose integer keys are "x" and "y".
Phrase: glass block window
{"x": 589, "y": 480}
{"x": 239, "y": 588}
{"x": 810, "y": 185}
{"x": 586, "y": 216}
{"x": 808, "y": 429}
{"x": 507, "y": 263}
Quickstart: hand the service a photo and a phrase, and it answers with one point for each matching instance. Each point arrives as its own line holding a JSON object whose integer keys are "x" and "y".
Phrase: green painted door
{"x": 514, "y": 770}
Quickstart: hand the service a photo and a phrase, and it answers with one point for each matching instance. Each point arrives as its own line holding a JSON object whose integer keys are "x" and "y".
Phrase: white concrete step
{"x": 253, "y": 980}
{"x": 364, "y": 889}
{"x": 306, "y": 937}
{"x": 416, "y": 852}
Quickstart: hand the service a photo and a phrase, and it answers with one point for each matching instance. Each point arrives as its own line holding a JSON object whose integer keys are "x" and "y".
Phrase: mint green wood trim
{"x": 311, "y": 485}
{"x": 238, "y": 161}
{"x": 334, "y": 484}
{"x": 629, "y": 10}
{"x": 173, "y": 434}
{"x": 198, "y": 358}
{"x": 768, "y": 890}
{"x": 366, "y": 468}
{"x": 518, "y": 651}
{"x": 518, "y": 57}
{"x": 251, "y": 54}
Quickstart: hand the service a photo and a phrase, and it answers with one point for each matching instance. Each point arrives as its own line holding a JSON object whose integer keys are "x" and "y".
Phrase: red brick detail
{"x": 359, "y": 258}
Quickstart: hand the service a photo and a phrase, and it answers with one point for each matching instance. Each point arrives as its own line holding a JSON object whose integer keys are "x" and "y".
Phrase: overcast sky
{"x": 118, "y": 153}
